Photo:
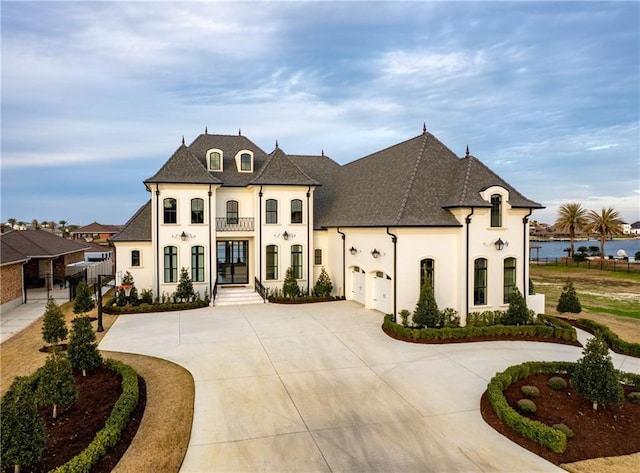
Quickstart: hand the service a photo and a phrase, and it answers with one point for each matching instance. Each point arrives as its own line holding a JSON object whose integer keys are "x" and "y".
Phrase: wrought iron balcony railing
{"x": 244, "y": 224}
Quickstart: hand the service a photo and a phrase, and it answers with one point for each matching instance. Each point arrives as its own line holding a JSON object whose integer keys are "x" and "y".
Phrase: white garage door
{"x": 358, "y": 285}
{"x": 382, "y": 293}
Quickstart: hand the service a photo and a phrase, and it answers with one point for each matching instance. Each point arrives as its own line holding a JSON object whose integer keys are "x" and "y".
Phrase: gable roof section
{"x": 96, "y": 227}
{"x": 40, "y": 244}
{"x": 183, "y": 168}
{"x": 280, "y": 170}
{"x": 9, "y": 255}
{"x": 138, "y": 228}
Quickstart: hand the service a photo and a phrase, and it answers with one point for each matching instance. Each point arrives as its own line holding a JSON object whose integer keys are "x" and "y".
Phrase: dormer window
{"x": 214, "y": 160}
{"x": 496, "y": 210}
{"x": 244, "y": 161}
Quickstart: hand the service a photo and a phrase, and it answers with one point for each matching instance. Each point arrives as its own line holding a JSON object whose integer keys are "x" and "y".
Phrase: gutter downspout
{"x": 525, "y": 236}
{"x": 260, "y": 235}
{"x": 394, "y": 240}
{"x": 467, "y": 220}
{"x": 211, "y": 281}
{"x": 308, "y": 244}
{"x": 157, "y": 241}
{"x": 344, "y": 268}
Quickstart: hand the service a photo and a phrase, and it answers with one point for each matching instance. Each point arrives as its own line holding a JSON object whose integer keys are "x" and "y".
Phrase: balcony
{"x": 244, "y": 224}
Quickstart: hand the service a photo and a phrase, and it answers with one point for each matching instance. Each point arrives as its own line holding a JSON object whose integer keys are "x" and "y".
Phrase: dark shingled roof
{"x": 138, "y": 228}
{"x": 9, "y": 255}
{"x": 183, "y": 167}
{"x": 39, "y": 244}
{"x": 280, "y": 170}
{"x": 96, "y": 227}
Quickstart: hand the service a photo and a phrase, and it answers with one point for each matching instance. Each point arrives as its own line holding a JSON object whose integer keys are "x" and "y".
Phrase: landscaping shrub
{"x": 83, "y": 347}
{"x": 531, "y": 391}
{"x": 290, "y": 288}
{"x": 158, "y": 307}
{"x": 404, "y": 317}
{"x": 558, "y": 383}
{"x": 485, "y": 318}
{"x": 634, "y": 397}
{"x": 517, "y": 313}
{"x": 426, "y": 313}
{"x": 56, "y": 384}
{"x": 615, "y": 343}
{"x": 54, "y": 328}
{"x": 184, "y": 290}
{"x": 568, "y": 301}
{"x": 146, "y": 296}
{"x": 323, "y": 286}
{"x": 527, "y": 406}
{"x": 83, "y": 302}
{"x": 564, "y": 429}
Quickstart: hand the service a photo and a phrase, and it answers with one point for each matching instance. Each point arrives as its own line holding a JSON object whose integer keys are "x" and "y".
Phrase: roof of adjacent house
{"x": 138, "y": 228}
{"x": 24, "y": 244}
{"x": 96, "y": 227}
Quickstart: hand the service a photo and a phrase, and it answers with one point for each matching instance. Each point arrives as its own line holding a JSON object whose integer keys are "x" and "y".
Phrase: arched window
{"x": 272, "y": 211}
{"x": 245, "y": 162}
{"x": 197, "y": 263}
{"x": 480, "y": 281}
{"x": 215, "y": 161}
{"x": 296, "y": 261}
{"x": 427, "y": 272}
{"x": 197, "y": 211}
{"x": 232, "y": 212}
{"x": 496, "y": 210}
{"x": 170, "y": 207}
{"x": 170, "y": 264}
{"x": 135, "y": 257}
{"x": 296, "y": 211}
{"x": 509, "y": 279}
{"x": 272, "y": 262}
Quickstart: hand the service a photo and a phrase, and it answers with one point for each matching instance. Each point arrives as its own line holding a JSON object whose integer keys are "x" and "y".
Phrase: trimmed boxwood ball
{"x": 556, "y": 382}
{"x": 634, "y": 397}
{"x": 565, "y": 429}
{"x": 527, "y": 406}
{"x": 530, "y": 391}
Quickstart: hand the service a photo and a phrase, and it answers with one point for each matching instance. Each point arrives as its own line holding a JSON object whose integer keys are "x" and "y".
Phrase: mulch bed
{"x": 608, "y": 431}
{"x": 75, "y": 427}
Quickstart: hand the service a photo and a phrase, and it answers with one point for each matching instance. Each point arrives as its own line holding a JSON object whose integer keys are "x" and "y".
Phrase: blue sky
{"x": 96, "y": 96}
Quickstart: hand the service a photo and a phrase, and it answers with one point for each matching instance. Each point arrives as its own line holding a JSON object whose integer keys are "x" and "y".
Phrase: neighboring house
{"x": 33, "y": 258}
{"x": 95, "y": 232}
{"x": 382, "y": 225}
{"x": 634, "y": 228}
{"x": 626, "y": 229}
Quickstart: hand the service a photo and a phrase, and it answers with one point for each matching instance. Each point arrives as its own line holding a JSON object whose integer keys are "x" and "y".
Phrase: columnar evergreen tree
{"x": 517, "y": 313}
{"x": 184, "y": 291}
{"x": 23, "y": 439}
{"x": 323, "y": 286}
{"x": 54, "y": 327}
{"x": 83, "y": 302}
{"x": 56, "y": 384}
{"x": 290, "y": 288}
{"x": 568, "y": 301}
{"x": 426, "y": 313}
{"x": 595, "y": 377}
{"x": 83, "y": 347}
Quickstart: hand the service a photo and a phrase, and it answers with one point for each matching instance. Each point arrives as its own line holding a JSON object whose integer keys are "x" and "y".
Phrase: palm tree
{"x": 62, "y": 226}
{"x": 607, "y": 223}
{"x": 571, "y": 217}
{"x": 12, "y": 221}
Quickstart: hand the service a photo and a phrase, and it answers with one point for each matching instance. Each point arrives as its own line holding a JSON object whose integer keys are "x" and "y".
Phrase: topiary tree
{"x": 23, "y": 439}
{"x": 517, "y": 313}
{"x": 323, "y": 286}
{"x": 54, "y": 327}
{"x": 184, "y": 291}
{"x": 56, "y": 384}
{"x": 568, "y": 301}
{"x": 595, "y": 377}
{"x": 426, "y": 313}
{"x": 83, "y": 302}
{"x": 83, "y": 348}
{"x": 290, "y": 288}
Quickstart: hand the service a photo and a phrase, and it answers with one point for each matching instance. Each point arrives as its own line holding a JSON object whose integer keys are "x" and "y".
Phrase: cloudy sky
{"x": 96, "y": 96}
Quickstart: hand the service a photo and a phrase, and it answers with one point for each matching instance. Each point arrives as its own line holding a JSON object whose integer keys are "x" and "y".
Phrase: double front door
{"x": 233, "y": 261}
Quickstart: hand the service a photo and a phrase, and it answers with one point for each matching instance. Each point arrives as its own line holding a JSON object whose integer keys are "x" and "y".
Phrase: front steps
{"x": 237, "y": 296}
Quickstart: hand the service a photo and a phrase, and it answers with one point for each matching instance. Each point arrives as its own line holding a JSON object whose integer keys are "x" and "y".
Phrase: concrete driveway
{"x": 320, "y": 387}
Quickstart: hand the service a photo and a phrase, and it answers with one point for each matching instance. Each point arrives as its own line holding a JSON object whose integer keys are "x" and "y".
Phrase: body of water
{"x": 554, "y": 249}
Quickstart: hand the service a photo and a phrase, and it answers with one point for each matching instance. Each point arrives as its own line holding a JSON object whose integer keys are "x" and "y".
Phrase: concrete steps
{"x": 237, "y": 296}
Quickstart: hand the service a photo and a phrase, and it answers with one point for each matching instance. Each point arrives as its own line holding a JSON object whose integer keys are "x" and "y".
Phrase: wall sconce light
{"x": 285, "y": 235}
{"x": 375, "y": 253}
{"x": 500, "y": 244}
{"x": 353, "y": 250}
{"x": 183, "y": 237}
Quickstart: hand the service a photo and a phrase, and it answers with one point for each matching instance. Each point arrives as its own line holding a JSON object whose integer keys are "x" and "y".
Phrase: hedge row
{"x": 615, "y": 343}
{"x": 116, "y": 423}
{"x": 552, "y": 328}
{"x": 146, "y": 308}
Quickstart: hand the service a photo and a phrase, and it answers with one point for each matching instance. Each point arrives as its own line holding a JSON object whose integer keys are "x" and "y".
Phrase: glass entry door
{"x": 233, "y": 261}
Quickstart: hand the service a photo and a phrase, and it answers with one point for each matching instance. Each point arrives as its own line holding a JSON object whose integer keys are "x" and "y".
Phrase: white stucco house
{"x": 381, "y": 225}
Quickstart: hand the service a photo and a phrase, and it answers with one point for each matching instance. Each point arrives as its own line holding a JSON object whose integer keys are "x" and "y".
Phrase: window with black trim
{"x": 232, "y": 212}
{"x": 427, "y": 272}
{"x": 296, "y": 211}
{"x": 215, "y": 161}
{"x": 480, "y": 281}
{"x": 170, "y": 264}
{"x": 271, "y": 206}
{"x": 496, "y": 210}
{"x": 245, "y": 162}
{"x": 272, "y": 262}
{"x": 296, "y": 261}
{"x": 197, "y": 263}
{"x": 509, "y": 279}
{"x": 197, "y": 211}
{"x": 135, "y": 257}
{"x": 317, "y": 257}
{"x": 170, "y": 206}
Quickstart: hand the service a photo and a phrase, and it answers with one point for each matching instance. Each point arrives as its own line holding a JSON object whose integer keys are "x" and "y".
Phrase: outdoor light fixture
{"x": 353, "y": 251}
{"x": 375, "y": 253}
{"x": 500, "y": 244}
{"x": 183, "y": 237}
{"x": 285, "y": 235}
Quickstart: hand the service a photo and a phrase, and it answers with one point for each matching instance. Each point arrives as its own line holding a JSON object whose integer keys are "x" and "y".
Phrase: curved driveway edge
{"x": 320, "y": 387}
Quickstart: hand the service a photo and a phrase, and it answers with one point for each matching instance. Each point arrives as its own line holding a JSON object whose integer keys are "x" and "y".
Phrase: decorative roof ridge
{"x": 467, "y": 176}
{"x": 412, "y": 178}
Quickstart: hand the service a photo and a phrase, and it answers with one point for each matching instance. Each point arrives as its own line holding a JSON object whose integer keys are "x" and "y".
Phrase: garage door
{"x": 358, "y": 285}
{"x": 382, "y": 293}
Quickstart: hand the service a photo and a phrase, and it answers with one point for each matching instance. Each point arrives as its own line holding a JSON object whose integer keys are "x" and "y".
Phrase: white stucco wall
{"x": 143, "y": 274}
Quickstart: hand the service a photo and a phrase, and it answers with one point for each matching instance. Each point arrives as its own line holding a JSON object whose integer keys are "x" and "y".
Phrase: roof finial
{"x": 424, "y": 128}
{"x": 206, "y": 132}
{"x": 466, "y": 155}
{"x": 182, "y": 139}
{"x": 239, "y": 132}
{"x": 322, "y": 151}
{"x": 276, "y": 143}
